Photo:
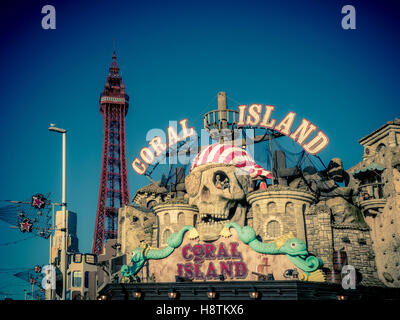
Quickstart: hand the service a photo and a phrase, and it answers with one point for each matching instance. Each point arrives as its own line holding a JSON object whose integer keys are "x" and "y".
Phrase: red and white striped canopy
{"x": 228, "y": 154}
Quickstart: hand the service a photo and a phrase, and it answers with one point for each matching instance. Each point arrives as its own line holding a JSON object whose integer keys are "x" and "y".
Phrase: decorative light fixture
{"x": 211, "y": 294}
{"x": 103, "y": 297}
{"x": 38, "y": 201}
{"x": 137, "y": 294}
{"x": 342, "y": 297}
{"x": 172, "y": 294}
{"x": 253, "y": 294}
{"x": 25, "y": 225}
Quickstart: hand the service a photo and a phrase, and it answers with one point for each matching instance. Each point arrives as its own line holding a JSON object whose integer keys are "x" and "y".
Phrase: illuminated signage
{"x": 158, "y": 146}
{"x": 208, "y": 261}
{"x": 257, "y": 116}
{"x": 253, "y": 116}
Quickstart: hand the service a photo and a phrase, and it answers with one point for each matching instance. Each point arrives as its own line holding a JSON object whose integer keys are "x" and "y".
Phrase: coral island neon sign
{"x": 195, "y": 256}
{"x": 299, "y": 135}
{"x": 252, "y": 116}
{"x": 147, "y": 155}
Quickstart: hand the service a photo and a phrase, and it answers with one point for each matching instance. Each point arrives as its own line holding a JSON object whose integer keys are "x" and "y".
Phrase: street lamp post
{"x": 50, "y": 246}
{"x": 64, "y": 262}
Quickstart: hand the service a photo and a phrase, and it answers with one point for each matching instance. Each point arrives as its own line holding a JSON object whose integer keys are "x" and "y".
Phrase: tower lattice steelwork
{"x": 113, "y": 192}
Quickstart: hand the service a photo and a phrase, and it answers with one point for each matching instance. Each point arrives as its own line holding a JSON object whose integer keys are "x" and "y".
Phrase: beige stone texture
{"x": 171, "y": 217}
{"x": 382, "y": 212}
{"x": 134, "y": 226}
{"x": 282, "y": 206}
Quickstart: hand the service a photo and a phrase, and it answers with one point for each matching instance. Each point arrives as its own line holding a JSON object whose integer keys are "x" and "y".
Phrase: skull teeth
{"x": 212, "y": 219}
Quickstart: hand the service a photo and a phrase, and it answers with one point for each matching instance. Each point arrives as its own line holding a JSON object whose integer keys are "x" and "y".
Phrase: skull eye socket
{"x": 221, "y": 180}
{"x": 205, "y": 193}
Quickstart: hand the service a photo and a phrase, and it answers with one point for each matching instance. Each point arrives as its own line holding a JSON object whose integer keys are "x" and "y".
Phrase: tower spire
{"x": 113, "y": 193}
{"x": 114, "y": 68}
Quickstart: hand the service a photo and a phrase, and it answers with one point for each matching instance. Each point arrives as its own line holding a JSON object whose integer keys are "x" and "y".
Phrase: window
{"x": 90, "y": 258}
{"x": 77, "y": 279}
{"x": 194, "y": 220}
{"x": 181, "y": 219}
{"x": 271, "y": 207}
{"x": 69, "y": 281}
{"x": 381, "y": 148}
{"x": 77, "y": 258}
{"x": 289, "y": 208}
{"x": 86, "y": 279}
{"x": 167, "y": 232}
{"x": 151, "y": 204}
{"x": 167, "y": 220}
{"x": 273, "y": 229}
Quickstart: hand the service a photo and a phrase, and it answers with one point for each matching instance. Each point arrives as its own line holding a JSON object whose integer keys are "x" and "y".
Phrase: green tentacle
{"x": 308, "y": 265}
{"x": 175, "y": 239}
{"x": 261, "y": 247}
{"x": 246, "y": 234}
{"x": 294, "y": 248}
{"x": 140, "y": 255}
{"x": 159, "y": 253}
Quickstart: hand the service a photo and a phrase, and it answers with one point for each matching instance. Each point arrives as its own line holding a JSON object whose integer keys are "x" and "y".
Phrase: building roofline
{"x": 396, "y": 122}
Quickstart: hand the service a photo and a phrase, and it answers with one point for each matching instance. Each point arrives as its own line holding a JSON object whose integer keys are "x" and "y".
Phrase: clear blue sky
{"x": 174, "y": 57}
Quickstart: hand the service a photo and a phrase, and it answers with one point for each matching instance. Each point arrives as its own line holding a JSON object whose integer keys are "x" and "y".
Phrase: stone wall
{"x": 385, "y": 235}
{"x": 279, "y": 210}
{"x": 319, "y": 233}
{"x": 172, "y": 216}
{"x": 324, "y": 236}
{"x": 358, "y": 246}
{"x": 135, "y": 225}
{"x": 383, "y": 214}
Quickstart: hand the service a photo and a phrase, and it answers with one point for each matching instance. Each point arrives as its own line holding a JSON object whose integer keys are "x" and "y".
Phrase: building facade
{"x": 225, "y": 221}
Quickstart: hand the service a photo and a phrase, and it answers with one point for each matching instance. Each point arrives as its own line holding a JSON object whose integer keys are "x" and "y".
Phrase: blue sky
{"x": 174, "y": 57}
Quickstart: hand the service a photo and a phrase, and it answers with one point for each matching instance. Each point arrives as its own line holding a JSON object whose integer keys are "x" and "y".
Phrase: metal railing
{"x": 371, "y": 191}
{"x": 220, "y": 119}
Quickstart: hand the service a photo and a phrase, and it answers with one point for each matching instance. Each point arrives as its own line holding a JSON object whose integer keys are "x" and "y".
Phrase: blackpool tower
{"x": 113, "y": 193}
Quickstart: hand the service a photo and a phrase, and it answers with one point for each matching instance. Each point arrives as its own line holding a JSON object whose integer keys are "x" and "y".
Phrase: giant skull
{"x": 218, "y": 182}
{"x": 219, "y": 193}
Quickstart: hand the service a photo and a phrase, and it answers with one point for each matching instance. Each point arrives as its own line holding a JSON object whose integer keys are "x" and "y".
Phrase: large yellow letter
{"x": 286, "y": 124}
{"x": 139, "y": 166}
{"x": 303, "y": 131}
{"x": 317, "y": 144}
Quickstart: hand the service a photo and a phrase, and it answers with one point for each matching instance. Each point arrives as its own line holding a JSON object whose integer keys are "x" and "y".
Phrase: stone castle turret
{"x": 377, "y": 177}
